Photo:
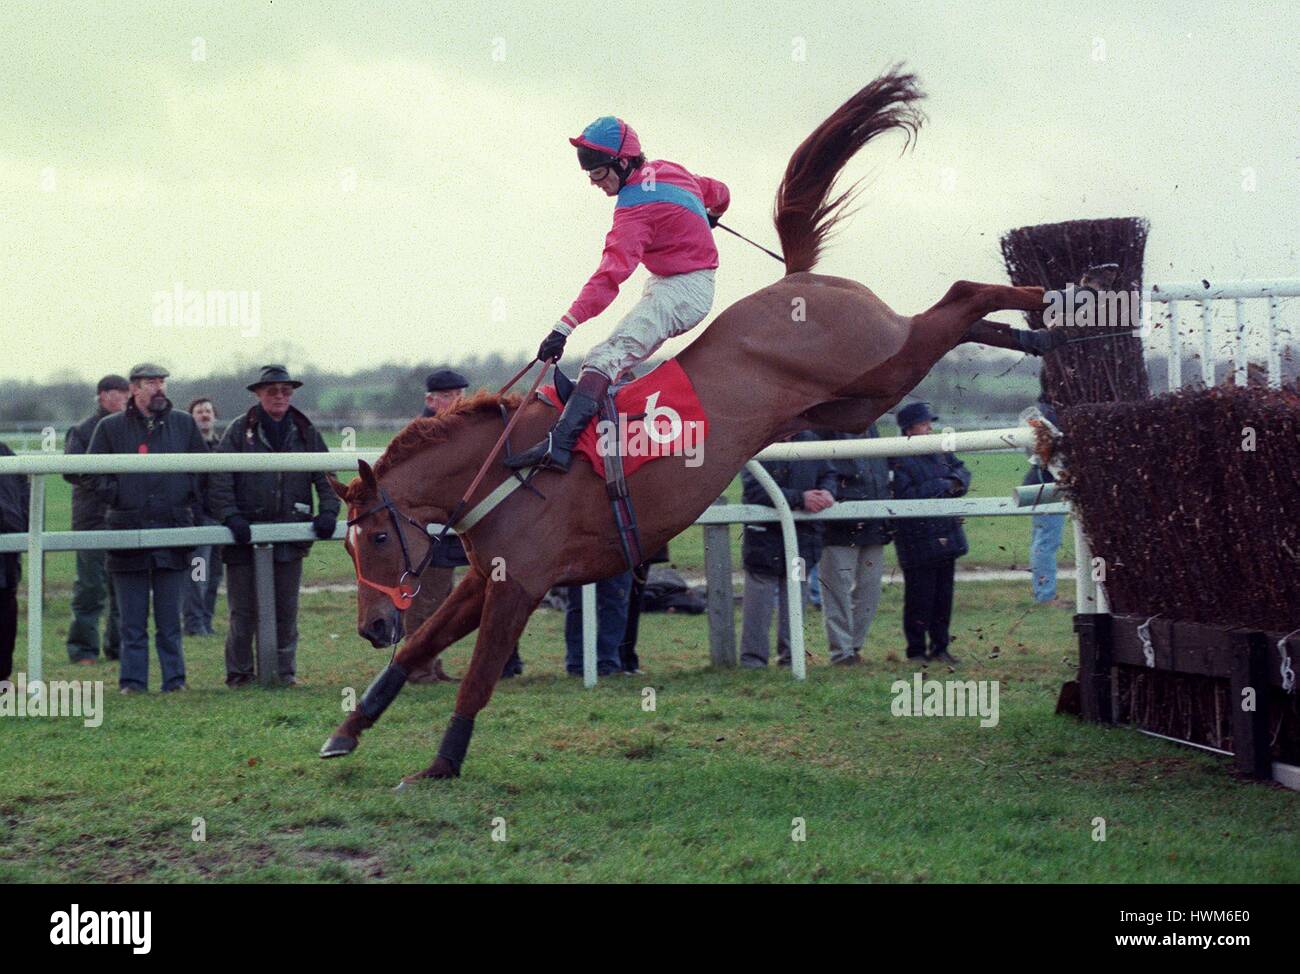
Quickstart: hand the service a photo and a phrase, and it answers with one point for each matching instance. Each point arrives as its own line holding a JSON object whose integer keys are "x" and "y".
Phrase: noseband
{"x": 403, "y": 593}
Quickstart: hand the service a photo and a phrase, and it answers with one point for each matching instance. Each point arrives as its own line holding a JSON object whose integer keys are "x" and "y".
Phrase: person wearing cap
{"x": 443, "y": 389}
{"x": 663, "y": 218}
{"x": 93, "y": 588}
{"x": 240, "y": 500}
{"x": 205, "y": 572}
{"x": 135, "y": 501}
{"x": 928, "y": 547}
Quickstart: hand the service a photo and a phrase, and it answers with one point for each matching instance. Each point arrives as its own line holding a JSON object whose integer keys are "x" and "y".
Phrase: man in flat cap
{"x": 240, "y": 500}
{"x": 93, "y": 587}
{"x": 443, "y": 388}
{"x": 150, "y": 425}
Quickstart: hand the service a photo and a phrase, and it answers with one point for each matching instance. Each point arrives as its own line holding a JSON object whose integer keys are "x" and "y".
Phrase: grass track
{"x": 593, "y": 787}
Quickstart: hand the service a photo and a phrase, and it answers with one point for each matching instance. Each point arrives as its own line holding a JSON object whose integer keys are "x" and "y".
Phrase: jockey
{"x": 663, "y": 218}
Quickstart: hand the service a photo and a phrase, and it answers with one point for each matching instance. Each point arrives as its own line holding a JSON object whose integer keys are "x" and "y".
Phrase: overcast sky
{"x": 392, "y": 181}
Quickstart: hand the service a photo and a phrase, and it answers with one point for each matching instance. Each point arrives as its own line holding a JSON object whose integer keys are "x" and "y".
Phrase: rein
{"x": 404, "y": 592}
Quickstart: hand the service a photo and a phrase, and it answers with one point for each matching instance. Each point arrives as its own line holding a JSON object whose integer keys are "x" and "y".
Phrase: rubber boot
{"x": 556, "y": 451}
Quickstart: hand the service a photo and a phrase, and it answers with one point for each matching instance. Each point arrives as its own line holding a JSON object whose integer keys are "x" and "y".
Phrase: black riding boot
{"x": 556, "y": 451}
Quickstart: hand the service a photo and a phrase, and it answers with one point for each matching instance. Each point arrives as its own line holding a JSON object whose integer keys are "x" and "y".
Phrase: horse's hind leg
{"x": 505, "y": 613}
{"x": 458, "y": 616}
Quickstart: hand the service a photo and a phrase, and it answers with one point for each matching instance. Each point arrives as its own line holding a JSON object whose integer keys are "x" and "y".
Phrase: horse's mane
{"x": 420, "y": 434}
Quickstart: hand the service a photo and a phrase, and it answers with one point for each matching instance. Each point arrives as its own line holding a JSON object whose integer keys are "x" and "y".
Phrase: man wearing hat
{"x": 134, "y": 501}
{"x": 93, "y": 587}
{"x": 928, "y": 547}
{"x": 240, "y": 500}
{"x": 443, "y": 388}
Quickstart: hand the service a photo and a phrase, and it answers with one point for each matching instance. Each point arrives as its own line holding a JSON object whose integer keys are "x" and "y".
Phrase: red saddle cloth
{"x": 659, "y": 416}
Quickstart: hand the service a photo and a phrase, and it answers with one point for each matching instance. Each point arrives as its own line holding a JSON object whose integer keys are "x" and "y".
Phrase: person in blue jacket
{"x": 928, "y": 547}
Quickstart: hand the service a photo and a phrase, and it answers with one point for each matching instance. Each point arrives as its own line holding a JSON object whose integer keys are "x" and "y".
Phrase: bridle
{"x": 403, "y": 593}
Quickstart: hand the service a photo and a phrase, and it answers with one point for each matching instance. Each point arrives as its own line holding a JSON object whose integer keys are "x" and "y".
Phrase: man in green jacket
{"x": 240, "y": 500}
{"x": 94, "y": 586}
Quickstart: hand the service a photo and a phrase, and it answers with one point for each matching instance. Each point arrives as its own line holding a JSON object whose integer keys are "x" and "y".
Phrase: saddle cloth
{"x": 662, "y": 417}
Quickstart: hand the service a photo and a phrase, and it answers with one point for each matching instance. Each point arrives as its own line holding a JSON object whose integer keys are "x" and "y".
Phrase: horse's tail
{"x": 803, "y": 215}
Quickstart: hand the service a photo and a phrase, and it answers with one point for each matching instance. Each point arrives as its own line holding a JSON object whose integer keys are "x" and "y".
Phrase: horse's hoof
{"x": 439, "y": 770}
{"x": 338, "y": 746}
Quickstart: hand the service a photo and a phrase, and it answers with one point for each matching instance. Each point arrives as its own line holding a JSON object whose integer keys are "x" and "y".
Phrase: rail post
{"x": 35, "y": 585}
{"x": 720, "y": 594}
{"x": 268, "y": 662}
{"x": 793, "y": 586}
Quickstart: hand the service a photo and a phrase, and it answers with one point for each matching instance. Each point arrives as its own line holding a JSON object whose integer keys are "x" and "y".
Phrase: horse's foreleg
{"x": 454, "y": 619}
{"x": 994, "y": 334}
{"x": 506, "y": 609}
{"x": 458, "y": 615}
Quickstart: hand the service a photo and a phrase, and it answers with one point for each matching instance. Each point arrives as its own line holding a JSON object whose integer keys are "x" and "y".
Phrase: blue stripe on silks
{"x": 637, "y": 195}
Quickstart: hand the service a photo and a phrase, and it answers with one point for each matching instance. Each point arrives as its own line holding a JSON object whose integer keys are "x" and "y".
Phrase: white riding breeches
{"x": 669, "y": 306}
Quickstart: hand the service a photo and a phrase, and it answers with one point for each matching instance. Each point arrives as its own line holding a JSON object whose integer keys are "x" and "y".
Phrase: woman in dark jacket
{"x": 928, "y": 547}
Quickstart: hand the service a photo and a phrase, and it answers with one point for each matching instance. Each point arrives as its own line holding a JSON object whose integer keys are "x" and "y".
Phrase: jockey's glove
{"x": 552, "y": 346}
{"x": 713, "y": 219}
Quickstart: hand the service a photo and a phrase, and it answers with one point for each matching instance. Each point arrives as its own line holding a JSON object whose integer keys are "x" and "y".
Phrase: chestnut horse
{"x": 808, "y": 351}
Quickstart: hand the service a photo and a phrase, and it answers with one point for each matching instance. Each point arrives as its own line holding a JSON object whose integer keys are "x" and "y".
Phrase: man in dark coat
{"x": 14, "y": 499}
{"x": 807, "y": 486}
{"x": 149, "y": 424}
{"x": 852, "y": 565}
{"x": 928, "y": 547}
{"x": 93, "y": 588}
{"x": 240, "y": 500}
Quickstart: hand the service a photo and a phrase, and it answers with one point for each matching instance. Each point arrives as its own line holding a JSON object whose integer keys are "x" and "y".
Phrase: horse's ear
{"x": 339, "y": 487}
{"x": 367, "y": 475}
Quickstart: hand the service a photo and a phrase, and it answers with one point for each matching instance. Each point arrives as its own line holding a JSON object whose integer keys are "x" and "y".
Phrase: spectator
{"x": 1045, "y": 537}
{"x": 928, "y": 547}
{"x": 807, "y": 486}
{"x": 611, "y": 624}
{"x": 443, "y": 389}
{"x": 240, "y": 500}
{"x": 853, "y": 559}
{"x": 201, "y": 592}
{"x": 93, "y": 588}
{"x": 14, "y": 498}
{"x": 149, "y": 424}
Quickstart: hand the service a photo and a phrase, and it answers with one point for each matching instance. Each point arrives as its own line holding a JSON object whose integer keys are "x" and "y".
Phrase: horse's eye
{"x": 381, "y": 537}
